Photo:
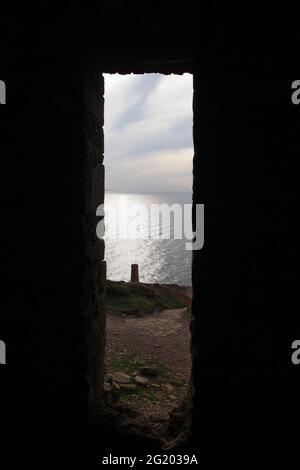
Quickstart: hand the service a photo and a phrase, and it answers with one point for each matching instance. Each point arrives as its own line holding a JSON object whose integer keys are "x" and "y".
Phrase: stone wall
{"x": 95, "y": 268}
{"x": 246, "y": 147}
{"x": 245, "y": 384}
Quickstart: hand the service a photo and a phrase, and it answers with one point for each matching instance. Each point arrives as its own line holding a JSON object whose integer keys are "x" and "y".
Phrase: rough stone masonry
{"x": 245, "y": 286}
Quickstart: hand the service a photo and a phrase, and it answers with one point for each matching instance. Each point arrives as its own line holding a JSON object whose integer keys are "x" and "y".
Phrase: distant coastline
{"x": 146, "y": 192}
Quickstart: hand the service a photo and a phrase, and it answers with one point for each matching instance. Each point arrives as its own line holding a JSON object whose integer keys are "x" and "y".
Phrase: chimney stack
{"x": 135, "y": 273}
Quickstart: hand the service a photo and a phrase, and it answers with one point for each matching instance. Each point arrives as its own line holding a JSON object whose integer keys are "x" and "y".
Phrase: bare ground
{"x": 160, "y": 338}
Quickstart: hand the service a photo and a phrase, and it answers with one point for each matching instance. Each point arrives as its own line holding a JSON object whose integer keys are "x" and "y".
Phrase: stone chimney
{"x": 134, "y": 273}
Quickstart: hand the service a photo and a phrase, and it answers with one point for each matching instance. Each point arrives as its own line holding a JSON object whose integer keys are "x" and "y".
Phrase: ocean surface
{"x": 129, "y": 230}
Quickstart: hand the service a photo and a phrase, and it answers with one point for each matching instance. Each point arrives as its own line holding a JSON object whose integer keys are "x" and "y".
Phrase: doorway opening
{"x": 148, "y": 219}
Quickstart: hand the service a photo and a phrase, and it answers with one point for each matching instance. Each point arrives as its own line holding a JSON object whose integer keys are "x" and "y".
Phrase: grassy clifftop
{"x": 135, "y": 298}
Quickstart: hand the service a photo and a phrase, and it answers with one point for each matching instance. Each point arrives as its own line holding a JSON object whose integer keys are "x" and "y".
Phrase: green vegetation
{"x": 139, "y": 298}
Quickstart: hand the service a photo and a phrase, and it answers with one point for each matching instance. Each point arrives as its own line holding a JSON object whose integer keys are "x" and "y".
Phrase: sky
{"x": 148, "y": 132}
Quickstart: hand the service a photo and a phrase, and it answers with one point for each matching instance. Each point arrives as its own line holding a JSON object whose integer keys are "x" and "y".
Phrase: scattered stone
{"x": 141, "y": 380}
{"x": 127, "y": 386}
{"x": 155, "y": 385}
{"x": 108, "y": 378}
{"x": 135, "y": 373}
{"x": 121, "y": 378}
{"x": 159, "y": 417}
{"x": 149, "y": 371}
{"x": 115, "y": 386}
{"x": 168, "y": 387}
{"x": 106, "y": 387}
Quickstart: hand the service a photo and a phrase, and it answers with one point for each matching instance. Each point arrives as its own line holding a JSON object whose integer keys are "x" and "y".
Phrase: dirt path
{"x": 160, "y": 339}
{"x": 163, "y": 336}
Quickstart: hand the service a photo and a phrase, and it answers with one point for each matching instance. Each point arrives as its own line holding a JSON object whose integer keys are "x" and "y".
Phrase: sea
{"x": 130, "y": 227}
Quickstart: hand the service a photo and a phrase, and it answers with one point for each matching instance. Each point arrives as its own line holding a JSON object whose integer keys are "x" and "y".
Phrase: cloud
{"x": 161, "y": 172}
{"x": 148, "y": 123}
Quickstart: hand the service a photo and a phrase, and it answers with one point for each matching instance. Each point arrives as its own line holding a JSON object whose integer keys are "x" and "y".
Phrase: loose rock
{"x": 107, "y": 387}
{"x": 168, "y": 387}
{"x": 121, "y": 378}
{"x": 159, "y": 417}
{"x": 141, "y": 380}
{"x": 115, "y": 386}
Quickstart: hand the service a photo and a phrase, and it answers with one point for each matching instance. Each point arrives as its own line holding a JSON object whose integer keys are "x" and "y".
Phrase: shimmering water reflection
{"x": 163, "y": 260}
